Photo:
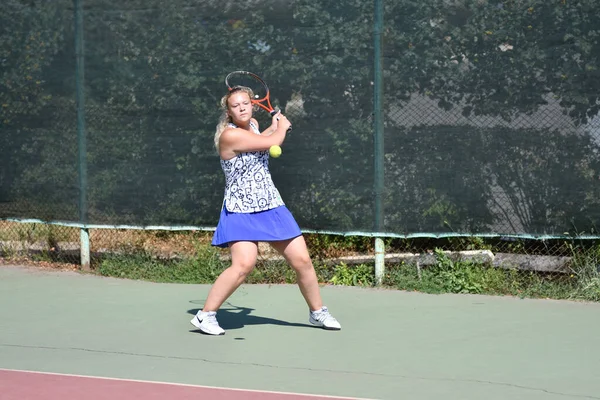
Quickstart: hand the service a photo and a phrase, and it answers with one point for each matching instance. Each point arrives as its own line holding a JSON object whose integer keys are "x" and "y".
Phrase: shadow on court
{"x": 234, "y": 317}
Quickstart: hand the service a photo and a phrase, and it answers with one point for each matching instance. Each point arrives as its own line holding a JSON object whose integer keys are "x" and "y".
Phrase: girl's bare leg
{"x": 296, "y": 254}
{"x": 243, "y": 260}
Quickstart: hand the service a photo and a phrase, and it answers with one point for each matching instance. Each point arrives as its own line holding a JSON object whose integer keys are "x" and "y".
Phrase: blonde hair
{"x": 225, "y": 118}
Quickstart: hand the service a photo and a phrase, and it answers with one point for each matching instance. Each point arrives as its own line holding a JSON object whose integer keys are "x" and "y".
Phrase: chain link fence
{"x": 489, "y": 117}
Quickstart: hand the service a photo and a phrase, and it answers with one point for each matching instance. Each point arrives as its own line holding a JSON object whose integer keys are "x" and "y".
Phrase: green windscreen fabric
{"x": 38, "y": 128}
{"x": 490, "y": 112}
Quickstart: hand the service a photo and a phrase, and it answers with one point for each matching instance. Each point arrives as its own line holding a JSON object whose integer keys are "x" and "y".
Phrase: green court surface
{"x": 393, "y": 345}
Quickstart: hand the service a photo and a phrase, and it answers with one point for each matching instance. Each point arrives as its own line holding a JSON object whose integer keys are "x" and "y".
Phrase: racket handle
{"x": 275, "y": 112}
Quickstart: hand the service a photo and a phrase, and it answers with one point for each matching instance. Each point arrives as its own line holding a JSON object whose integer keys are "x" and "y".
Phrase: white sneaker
{"x": 207, "y": 323}
{"x": 323, "y": 319}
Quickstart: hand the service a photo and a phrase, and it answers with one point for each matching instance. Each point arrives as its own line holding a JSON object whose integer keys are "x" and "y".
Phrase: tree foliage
{"x": 154, "y": 75}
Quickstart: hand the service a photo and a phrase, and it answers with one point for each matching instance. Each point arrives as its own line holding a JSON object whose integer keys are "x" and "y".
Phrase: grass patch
{"x": 359, "y": 275}
{"x": 140, "y": 265}
{"x": 448, "y": 276}
{"x": 585, "y": 272}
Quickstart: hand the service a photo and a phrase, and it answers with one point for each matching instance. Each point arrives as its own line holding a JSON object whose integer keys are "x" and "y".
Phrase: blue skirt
{"x": 264, "y": 226}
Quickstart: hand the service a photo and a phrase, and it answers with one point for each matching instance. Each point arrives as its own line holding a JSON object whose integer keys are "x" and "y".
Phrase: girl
{"x": 253, "y": 212}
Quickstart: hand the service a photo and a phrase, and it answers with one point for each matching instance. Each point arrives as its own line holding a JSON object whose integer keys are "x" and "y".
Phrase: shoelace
{"x": 322, "y": 315}
{"x": 211, "y": 318}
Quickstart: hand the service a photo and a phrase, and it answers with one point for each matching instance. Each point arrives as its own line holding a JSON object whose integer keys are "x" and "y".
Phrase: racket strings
{"x": 242, "y": 81}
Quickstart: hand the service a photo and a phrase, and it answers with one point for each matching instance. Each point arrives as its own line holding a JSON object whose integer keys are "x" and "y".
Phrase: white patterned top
{"x": 248, "y": 183}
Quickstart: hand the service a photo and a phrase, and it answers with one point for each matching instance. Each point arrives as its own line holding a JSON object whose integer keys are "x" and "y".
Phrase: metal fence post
{"x": 378, "y": 140}
{"x": 81, "y": 138}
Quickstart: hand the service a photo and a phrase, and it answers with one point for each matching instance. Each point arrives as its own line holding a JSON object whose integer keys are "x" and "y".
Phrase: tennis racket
{"x": 261, "y": 91}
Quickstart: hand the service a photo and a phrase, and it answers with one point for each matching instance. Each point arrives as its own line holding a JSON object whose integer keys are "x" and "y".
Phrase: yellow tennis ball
{"x": 275, "y": 151}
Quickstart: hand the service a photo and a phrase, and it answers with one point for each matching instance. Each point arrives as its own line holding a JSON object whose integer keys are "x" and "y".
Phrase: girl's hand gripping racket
{"x": 258, "y": 86}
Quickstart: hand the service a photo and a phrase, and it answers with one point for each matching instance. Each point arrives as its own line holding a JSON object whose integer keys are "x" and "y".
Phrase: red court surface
{"x": 25, "y": 385}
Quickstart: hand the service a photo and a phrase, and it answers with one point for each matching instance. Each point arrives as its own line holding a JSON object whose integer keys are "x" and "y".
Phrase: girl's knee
{"x": 302, "y": 263}
{"x": 243, "y": 268}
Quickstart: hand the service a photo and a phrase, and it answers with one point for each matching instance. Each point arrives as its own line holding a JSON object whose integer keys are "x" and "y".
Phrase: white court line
{"x": 182, "y": 384}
